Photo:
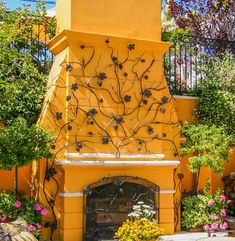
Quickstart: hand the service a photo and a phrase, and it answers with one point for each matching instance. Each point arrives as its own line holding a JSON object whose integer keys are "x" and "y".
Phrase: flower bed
{"x": 23, "y": 207}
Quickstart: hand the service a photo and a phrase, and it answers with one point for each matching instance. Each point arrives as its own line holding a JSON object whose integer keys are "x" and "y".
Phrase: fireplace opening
{"x": 108, "y": 202}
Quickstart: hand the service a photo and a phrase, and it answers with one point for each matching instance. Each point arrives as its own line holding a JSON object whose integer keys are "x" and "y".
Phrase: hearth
{"x": 108, "y": 201}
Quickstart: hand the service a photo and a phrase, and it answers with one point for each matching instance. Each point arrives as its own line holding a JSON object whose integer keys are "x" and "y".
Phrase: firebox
{"x": 108, "y": 202}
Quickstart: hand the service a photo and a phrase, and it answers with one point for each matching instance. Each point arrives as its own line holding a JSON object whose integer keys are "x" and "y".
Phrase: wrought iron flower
{"x": 163, "y": 110}
{"x": 147, "y": 93}
{"x": 180, "y": 175}
{"x": 119, "y": 119}
{"x": 90, "y": 122}
{"x": 127, "y": 98}
{"x": 99, "y": 82}
{"x": 68, "y": 97}
{"x": 164, "y": 135}
{"x": 107, "y": 41}
{"x": 82, "y": 46}
{"x": 92, "y": 112}
{"x": 58, "y": 115}
{"x": 115, "y": 59}
{"x": 79, "y": 147}
{"x": 125, "y": 74}
{"x": 165, "y": 99}
{"x": 115, "y": 126}
{"x": 146, "y": 77}
{"x": 105, "y": 140}
{"x": 102, "y": 76}
{"x": 120, "y": 66}
{"x": 131, "y": 46}
{"x": 69, "y": 127}
{"x": 74, "y": 86}
{"x": 142, "y": 60}
{"x": 69, "y": 67}
{"x": 150, "y": 130}
{"x": 51, "y": 172}
{"x": 145, "y": 101}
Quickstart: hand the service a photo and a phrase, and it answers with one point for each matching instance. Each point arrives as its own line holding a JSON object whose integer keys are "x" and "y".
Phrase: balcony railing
{"x": 187, "y": 58}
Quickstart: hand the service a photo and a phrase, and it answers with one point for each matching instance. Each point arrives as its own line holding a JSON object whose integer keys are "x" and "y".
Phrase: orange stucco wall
{"x": 24, "y": 179}
{"x": 185, "y": 107}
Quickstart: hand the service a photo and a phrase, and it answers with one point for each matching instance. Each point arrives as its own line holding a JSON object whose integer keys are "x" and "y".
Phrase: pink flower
{"x": 44, "y": 212}
{"x": 37, "y": 207}
{"x": 223, "y": 198}
{"x": 31, "y": 228}
{"x": 229, "y": 202}
{"x": 211, "y": 203}
{"x": 214, "y": 226}
{"x": 215, "y": 217}
{"x": 39, "y": 226}
{"x": 223, "y": 212}
{"x": 3, "y": 218}
{"x": 207, "y": 227}
{"x": 224, "y": 225}
{"x": 18, "y": 203}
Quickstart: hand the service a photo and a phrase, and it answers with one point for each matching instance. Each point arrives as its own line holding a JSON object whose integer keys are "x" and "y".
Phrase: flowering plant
{"x": 206, "y": 210}
{"x": 141, "y": 225}
{"x": 12, "y": 208}
{"x": 142, "y": 210}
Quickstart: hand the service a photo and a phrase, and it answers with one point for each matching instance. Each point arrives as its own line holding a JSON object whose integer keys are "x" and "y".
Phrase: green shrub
{"x": 20, "y": 144}
{"x": 205, "y": 210}
{"x": 217, "y": 95}
{"x": 210, "y": 147}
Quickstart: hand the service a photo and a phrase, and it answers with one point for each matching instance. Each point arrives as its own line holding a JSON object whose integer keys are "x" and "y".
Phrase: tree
{"x": 205, "y": 18}
{"x": 210, "y": 147}
{"x": 22, "y": 87}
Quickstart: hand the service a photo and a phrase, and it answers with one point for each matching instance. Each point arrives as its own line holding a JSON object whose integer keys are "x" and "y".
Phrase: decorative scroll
{"x": 111, "y": 101}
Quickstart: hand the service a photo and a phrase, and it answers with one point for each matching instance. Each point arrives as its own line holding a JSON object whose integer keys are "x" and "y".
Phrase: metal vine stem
{"x": 147, "y": 105}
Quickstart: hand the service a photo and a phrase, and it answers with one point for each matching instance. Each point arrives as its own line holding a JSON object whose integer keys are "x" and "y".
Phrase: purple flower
{"x": 224, "y": 225}
{"x": 37, "y": 207}
{"x": 223, "y": 198}
{"x": 31, "y": 228}
{"x": 207, "y": 227}
{"x": 18, "y": 203}
{"x": 44, "y": 212}
{"x": 39, "y": 226}
{"x": 211, "y": 203}
{"x": 215, "y": 217}
{"x": 223, "y": 212}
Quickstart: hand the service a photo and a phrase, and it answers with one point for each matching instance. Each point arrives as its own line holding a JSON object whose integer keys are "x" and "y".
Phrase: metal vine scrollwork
{"x": 115, "y": 102}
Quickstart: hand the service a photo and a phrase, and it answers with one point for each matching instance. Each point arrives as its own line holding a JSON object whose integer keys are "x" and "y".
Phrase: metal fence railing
{"x": 187, "y": 58}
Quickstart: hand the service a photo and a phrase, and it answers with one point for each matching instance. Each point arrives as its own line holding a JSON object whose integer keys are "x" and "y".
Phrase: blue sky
{"x": 13, "y": 4}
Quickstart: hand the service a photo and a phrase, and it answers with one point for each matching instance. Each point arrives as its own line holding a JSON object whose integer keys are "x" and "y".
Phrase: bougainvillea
{"x": 205, "y": 18}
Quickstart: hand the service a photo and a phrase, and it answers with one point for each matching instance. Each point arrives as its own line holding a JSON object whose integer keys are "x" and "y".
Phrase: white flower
{"x": 153, "y": 212}
{"x": 140, "y": 202}
{"x": 146, "y": 211}
{"x": 136, "y": 207}
{"x": 134, "y": 215}
{"x": 146, "y": 206}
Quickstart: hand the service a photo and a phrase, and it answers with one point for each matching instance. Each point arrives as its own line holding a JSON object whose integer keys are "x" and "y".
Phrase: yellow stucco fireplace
{"x": 117, "y": 131}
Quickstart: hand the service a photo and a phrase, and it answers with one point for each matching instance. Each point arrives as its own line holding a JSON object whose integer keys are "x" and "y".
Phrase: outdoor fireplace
{"x": 108, "y": 201}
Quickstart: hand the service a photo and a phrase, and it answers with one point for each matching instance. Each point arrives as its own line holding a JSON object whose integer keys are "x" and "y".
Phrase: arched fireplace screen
{"x": 108, "y": 201}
